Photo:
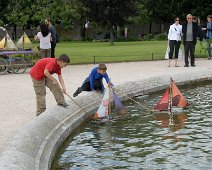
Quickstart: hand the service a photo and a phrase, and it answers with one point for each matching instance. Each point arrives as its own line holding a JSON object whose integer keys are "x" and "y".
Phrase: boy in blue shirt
{"x": 94, "y": 81}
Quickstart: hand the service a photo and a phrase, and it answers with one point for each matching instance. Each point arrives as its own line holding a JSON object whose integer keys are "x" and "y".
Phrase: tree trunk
{"x": 15, "y": 33}
{"x": 83, "y": 32}
{"x": 77, "y": 32}
{"x": 111, "y": 37}
{"x": 150, "y": 27}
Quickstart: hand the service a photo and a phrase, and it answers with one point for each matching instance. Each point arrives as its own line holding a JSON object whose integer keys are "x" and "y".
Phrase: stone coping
{"x": 34, "y": 147}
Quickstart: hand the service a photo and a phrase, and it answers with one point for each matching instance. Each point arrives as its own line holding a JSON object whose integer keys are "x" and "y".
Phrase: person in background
{"x": 53, "y": 33}
{"x": 2, "y": 28}
{"x": 174, "y": 40}
{"x": 44, "y": 36}
{"x": 94, "y": 81}
{"x": 208, "y": 28}
{"x": 194, "y": 18}
{"x": 41, "y": 74}
{"x": 190, "y": 31}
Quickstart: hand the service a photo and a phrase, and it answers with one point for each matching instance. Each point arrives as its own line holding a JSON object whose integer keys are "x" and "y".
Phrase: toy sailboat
{"x": 23, "y": 42}
{"x": 104, "y": 109}
{"x": 171, "y": 98}
{"x": 7, "y": 43}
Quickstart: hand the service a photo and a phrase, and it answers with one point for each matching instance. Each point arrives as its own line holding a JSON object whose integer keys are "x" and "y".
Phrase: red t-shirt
{"x": 37, "y": 71}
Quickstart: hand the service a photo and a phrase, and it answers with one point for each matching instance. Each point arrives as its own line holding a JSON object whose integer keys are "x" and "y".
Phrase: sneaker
{"x": 63, "y": 104}
{"x": 78, "y": 91}
{"x": 193, "y": 65}
{"x": 185, "y": 65}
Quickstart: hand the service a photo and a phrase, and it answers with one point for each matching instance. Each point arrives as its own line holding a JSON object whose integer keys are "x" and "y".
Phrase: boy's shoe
{"x": 63, "y": 104}
{"x": 78, "y": 91}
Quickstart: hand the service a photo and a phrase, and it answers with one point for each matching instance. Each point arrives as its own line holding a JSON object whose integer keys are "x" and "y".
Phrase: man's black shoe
{"x": 185, "y": 65}
{"x": 193, "y": 65}
{"x": 78, "y": 91}
{"x": 63, "y": 104}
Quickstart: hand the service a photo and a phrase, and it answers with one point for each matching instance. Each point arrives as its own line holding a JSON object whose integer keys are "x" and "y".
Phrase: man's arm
{"x": 62, "y": 83}
{"x": 48, "y": 75}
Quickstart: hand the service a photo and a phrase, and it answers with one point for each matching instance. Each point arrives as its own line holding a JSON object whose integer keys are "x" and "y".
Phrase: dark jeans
{"x": 53, "y": 45}
{"x": 174, "y": 45}
{"x": 97, "y": 85}
{"x": 189, "y": 47}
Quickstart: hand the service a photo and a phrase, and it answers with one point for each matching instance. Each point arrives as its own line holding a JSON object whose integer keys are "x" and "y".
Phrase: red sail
{"x": 177, "y": 98}
{"x": 163, "y": 104}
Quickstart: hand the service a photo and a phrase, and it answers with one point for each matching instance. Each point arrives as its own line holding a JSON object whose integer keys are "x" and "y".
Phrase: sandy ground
{"x": 17, "y": 98}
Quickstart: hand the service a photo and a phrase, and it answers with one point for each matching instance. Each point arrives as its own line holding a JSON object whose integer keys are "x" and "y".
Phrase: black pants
{"x": 97, "y": 85}
{"x": 189, "y": 48}
{"x": 174, "y": 46}
{"x": 53, "y": 45}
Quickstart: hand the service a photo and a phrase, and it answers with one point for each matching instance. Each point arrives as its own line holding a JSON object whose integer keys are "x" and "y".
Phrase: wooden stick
{"x": 77, "y": 104}
{"x": 132, "y": 99}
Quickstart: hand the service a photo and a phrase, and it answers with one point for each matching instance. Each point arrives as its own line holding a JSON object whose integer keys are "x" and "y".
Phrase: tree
{"x": 110, "y": 13}
{"x": 3, "y": 12}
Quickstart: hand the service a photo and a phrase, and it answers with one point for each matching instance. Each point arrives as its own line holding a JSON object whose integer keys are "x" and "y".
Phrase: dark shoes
{"x": 63, "y": 104}
{"x": 192, "y": 65}
{"x": 78, "y": 91}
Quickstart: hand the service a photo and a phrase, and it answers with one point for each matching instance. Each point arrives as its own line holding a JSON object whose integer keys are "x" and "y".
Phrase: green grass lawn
{"x": 84, "y": 52}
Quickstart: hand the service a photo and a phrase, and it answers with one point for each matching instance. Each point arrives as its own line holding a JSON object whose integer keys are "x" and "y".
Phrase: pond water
{"x": 144, "y": 140}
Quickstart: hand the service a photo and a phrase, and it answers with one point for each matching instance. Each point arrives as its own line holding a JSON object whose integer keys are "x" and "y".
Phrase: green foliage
{"x": 158, "y": 37}
{"x": 148, "y": 37}
{"x": 161, "y": 37}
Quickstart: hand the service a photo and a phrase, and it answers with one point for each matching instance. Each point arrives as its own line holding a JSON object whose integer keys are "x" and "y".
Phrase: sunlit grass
{"x": 90, "y": 52}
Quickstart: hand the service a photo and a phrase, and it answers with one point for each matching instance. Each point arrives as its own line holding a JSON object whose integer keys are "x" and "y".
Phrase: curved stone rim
{"x": 34, "y": 146}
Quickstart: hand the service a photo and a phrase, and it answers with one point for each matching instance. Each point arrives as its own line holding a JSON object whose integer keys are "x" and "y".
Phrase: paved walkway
{"x": 17, "y": 98}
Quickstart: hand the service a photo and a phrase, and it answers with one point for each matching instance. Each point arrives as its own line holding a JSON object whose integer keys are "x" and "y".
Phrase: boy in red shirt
{"x": 41, "y": 74}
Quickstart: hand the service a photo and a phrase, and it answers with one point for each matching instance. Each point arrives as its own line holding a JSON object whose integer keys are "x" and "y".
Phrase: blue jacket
{"x": 208, "y": 26}
{"x": 94, "y": 75}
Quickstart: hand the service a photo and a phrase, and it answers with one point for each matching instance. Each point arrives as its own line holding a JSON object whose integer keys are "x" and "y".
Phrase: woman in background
{"x": 174, "y": 40}
{"x": 44, "y": 36}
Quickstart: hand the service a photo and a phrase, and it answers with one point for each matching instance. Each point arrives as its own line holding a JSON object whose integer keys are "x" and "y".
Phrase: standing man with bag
{"x": 190, "y": 32}
{"x": 174, "y": 40}
{"x": 53, "y": 34}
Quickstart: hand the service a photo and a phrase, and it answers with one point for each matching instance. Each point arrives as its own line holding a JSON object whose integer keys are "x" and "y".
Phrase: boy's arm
{"x": 62, "y": 83}
{"x": 92, "y": 79}
{"x": 106, "y": 77}
{"x": 47, "y": 74}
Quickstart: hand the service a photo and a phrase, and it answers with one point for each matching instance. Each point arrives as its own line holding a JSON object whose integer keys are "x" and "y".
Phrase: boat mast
{"x": 170, "y": 96}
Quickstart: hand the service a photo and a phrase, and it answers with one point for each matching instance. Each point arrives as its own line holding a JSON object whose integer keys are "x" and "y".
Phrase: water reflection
{"x": 142, "y": 140}
{"x": 172, "y": 121}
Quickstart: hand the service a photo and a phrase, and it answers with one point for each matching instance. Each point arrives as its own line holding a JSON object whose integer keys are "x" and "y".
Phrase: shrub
{"x": 148, "y": 37}
{"x": 160, "y": 37}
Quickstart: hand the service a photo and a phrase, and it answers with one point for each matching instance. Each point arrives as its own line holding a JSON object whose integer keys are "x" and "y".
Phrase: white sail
{"x": 23, "y": 41}
{"x": 103, "y": 110}
{"x": 10, "y": 44}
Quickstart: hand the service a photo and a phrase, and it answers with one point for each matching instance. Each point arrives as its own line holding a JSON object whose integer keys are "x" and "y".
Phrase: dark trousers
{"x": 53, "y": 45}
{"x": 97, "y": 85}
{"x": 189, "y": 48}
{"x": 174, "y": 46}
